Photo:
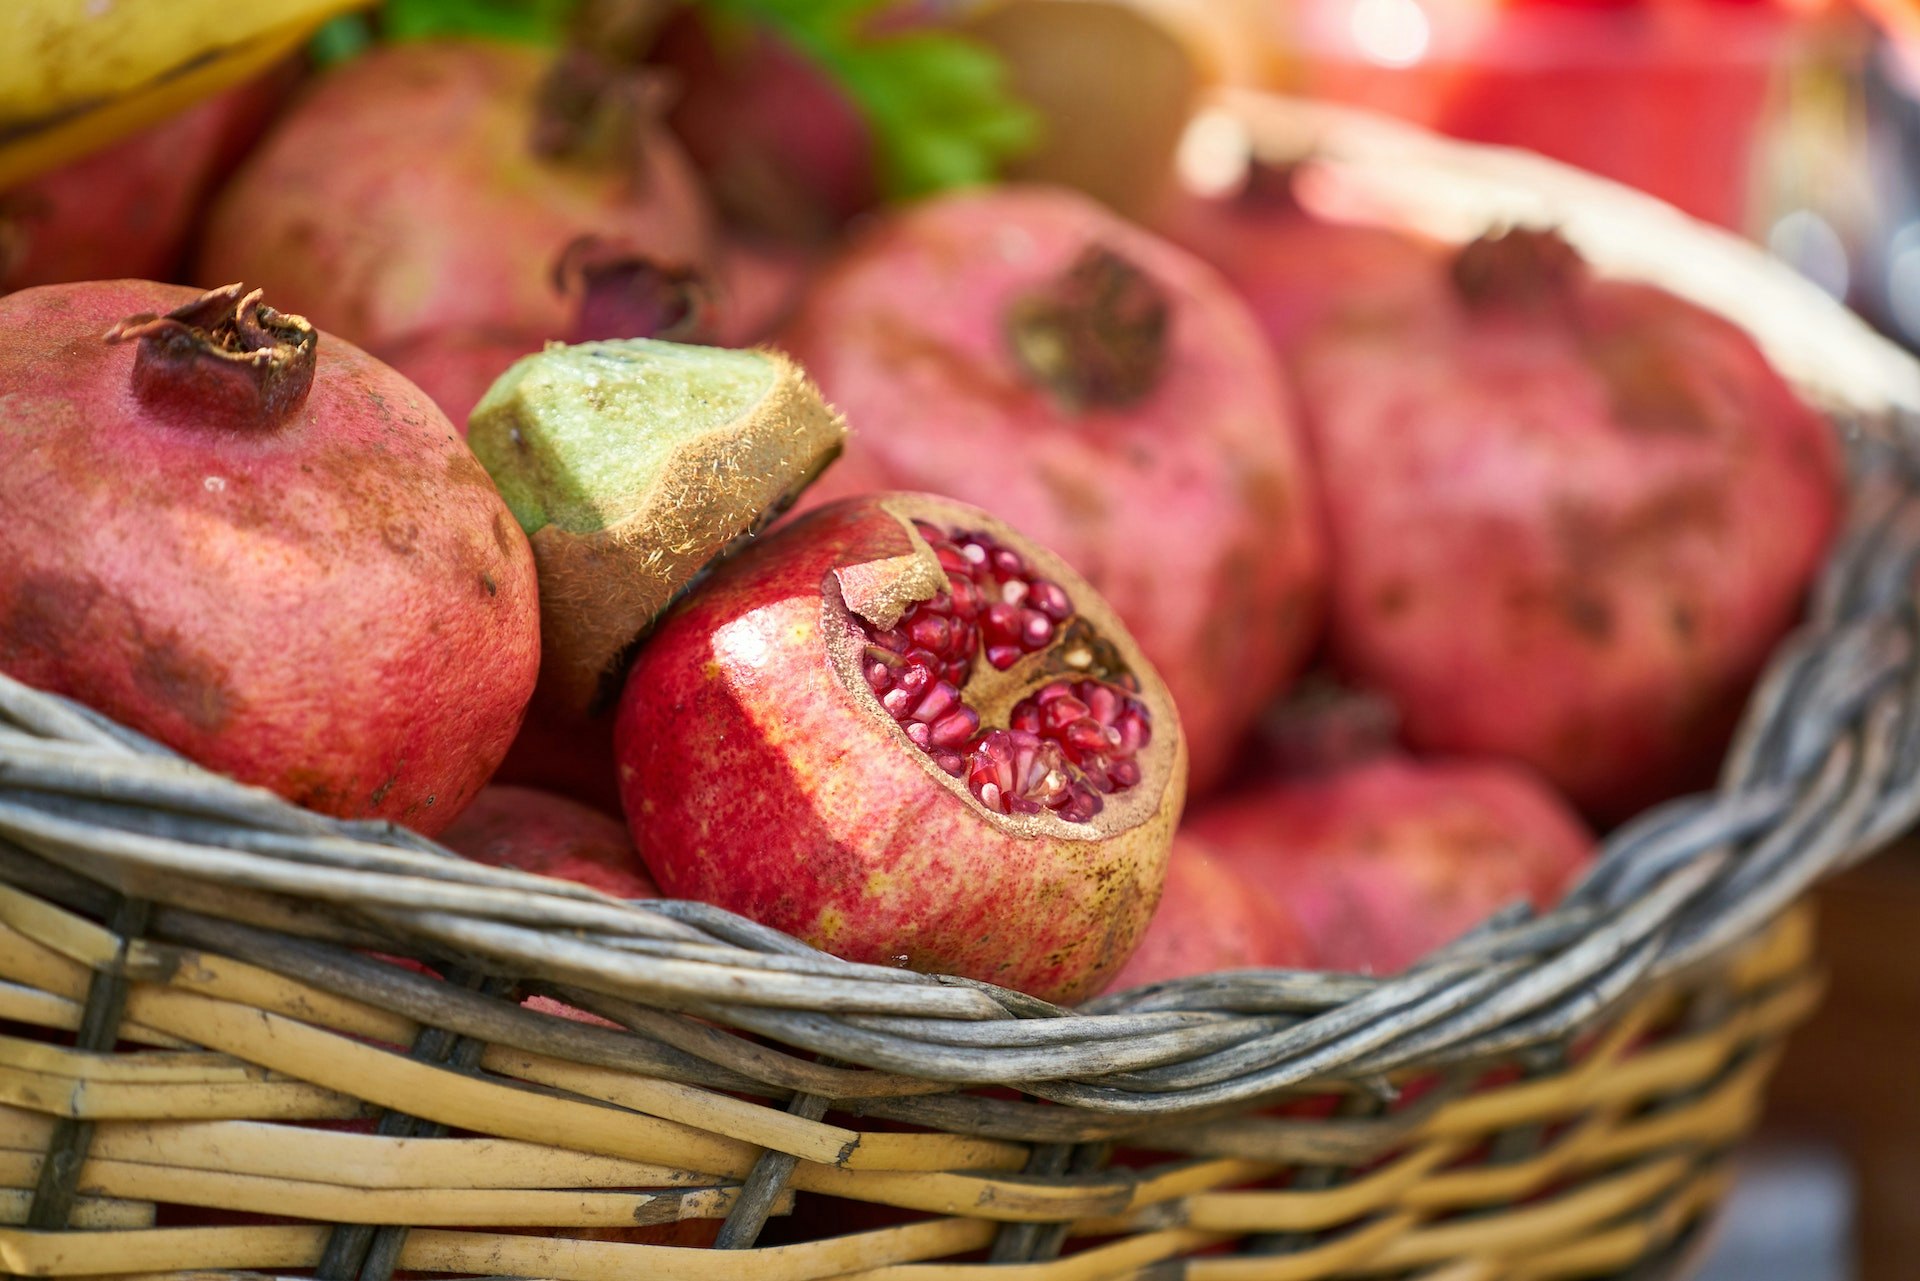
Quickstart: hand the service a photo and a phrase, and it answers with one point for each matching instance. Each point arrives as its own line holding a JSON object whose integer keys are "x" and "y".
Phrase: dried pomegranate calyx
{"x": 1066, "y": 746}
{"x": 1096, "y": 335}
{"x": 224, "y": 359}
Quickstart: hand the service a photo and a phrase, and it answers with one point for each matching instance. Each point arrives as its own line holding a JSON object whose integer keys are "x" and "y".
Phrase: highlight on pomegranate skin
{"x": 902, "y": 733}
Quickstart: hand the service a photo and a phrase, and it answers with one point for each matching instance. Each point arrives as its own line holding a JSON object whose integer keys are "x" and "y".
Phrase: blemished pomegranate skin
{"x": 1025, "y": 350}
{"x": 258, "y": 545}
{"x": 1570, "y": 519}
{"x": 494, "y": 221}
{"x": 840, "y": 735}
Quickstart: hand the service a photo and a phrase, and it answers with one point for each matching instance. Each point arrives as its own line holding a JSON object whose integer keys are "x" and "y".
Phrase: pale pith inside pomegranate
{"x": 901, "y": 732}
{"x": 1065, "y": 746}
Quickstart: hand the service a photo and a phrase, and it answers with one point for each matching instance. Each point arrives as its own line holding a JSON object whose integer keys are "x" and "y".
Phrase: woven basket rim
{"x": 1821, "y": 774}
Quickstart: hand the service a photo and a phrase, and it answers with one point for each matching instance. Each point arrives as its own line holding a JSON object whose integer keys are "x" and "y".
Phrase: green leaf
{"x": 937, "y": 102}
{"x": 526, "y": 21}
{"x": 344, "y": 37}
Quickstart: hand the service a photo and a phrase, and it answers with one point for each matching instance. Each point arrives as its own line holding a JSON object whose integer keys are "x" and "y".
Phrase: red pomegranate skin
{"x": 754, "y": 779}
{"x": 781, "y": 147}
{"x": 548, "y": 835}
{"x": 339, "y": 608}
{"x": 1191, "y": 511}
{"x": 436, "y": 246}
{"x": 1300, "y": 273}
{"x": 1383, "y": 862}
{"x": 1568, "y": 534}
{"x": 128, "y": 209}
{"x": 1211, "y": 919}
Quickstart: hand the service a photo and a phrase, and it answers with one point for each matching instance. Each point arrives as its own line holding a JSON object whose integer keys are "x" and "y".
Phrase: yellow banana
{"x": 76, "y": 74}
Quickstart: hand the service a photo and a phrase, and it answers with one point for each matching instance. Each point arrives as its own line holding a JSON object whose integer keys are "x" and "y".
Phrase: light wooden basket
{"x": 244, "y": 1039}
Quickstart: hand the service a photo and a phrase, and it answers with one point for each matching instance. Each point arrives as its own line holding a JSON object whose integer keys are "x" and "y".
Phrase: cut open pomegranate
{"x": 900, "y": 731}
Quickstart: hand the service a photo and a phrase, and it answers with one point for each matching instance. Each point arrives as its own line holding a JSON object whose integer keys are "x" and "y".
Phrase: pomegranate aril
{"x": 1036, "y": 630}
{"x": 948, "y": 759}
{"x": 1124, "y": 774}
{"x": 1003, "y": 656}
{"x": 920, "y": 735}
{"x": 940, "y": 700}
{"x": 1050, "y": 599}
{"x": 897, "y": 702}
{"x": 913, "y": 680}
{"x": 955, "y": 728}
{"x": 930, "y": 631}
{"x": 1059, "y": 713}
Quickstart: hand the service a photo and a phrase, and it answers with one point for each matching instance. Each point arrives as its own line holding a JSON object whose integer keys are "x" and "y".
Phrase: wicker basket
{"x": 213, "y": 1020}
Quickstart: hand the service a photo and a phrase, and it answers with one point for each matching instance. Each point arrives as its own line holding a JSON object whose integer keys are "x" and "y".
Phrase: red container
{"x": 1668, "y": 96}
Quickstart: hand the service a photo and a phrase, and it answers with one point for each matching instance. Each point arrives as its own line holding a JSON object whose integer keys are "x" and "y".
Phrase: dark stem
{"x": 1096, "y": 335}
{"x": 620, "y": 292}
{"x": 1520, "y": 269}
{"x": 223, "y": 360}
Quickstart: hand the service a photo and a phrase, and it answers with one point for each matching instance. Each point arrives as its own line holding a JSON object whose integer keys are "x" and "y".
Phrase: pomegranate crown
{"x": 224, "y": 359}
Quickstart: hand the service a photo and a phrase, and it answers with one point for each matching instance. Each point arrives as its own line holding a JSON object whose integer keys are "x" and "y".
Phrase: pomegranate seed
{"x": 1036, "y": 630}
{"x": 1050, "y": 599}
{"x": 940, "y": 700}
{"x": 930, "y": 631}
{"x": 1065, "y": 745}
{"x": 955, "y": 728}
{"x": 1003, "y": 656}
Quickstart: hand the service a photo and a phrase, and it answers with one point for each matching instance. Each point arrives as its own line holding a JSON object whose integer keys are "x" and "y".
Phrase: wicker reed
{"x": 200, "y": 983}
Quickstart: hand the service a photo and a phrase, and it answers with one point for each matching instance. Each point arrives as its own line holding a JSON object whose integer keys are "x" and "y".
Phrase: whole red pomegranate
{"x": 259, "y": 545}
{"x": 1026, "y": 351}
{"x": 1570, "y": 518}
{"x": 128, "y": 209}
{"x": 1383, "y": 862}
{"x": 525, "y": 199}
{"x": 548, "y": 835}
{"x": 1299, "y": 270}
{"x": 782, "y": 148}
{"x": 1211, "y": 919}
{"x": 902, "y": 732}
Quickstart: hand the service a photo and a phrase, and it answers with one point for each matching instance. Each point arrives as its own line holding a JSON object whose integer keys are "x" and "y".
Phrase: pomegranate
{"x": 783, "y": 150}
{"x": 1385, "y": 861}
{"x": 526, "y": 199}
{"x": 1299, "y": 270}
{"x": 904, "y": 733}
{"x": 757, "y": 282}
{"x": 1025, "y": 350}
{"x": 128, "y": 209}
{"x": 1570, "y": 518}
{"x": 1210, "y": 919}
{"x": 549, "y": 835}
{"x": 253, "y": 542}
